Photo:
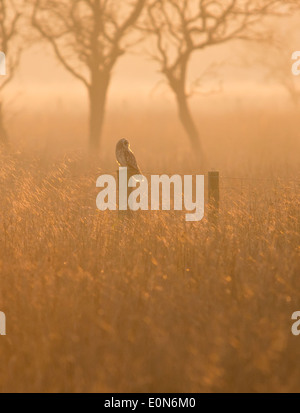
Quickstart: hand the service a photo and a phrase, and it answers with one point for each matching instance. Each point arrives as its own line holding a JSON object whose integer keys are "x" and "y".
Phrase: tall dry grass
{"x": 152, "y": 304}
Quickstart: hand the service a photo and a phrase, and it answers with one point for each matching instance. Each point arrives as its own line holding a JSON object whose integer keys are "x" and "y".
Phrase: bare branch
{"x": 181, "y": 28}
{"x": 10, "y": 15}
{"x": 87, "y": 36}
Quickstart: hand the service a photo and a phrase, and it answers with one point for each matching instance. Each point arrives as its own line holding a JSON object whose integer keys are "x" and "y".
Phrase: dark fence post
{"x": 128, "y": 213}
{"x": 213, "y": 194}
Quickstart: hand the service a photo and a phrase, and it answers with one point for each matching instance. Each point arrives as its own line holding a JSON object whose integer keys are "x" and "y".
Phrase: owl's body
{"x": 125, "y": 156}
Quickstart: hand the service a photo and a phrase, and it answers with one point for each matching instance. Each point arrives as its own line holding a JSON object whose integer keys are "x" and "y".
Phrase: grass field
{"x": 152, "y": 304}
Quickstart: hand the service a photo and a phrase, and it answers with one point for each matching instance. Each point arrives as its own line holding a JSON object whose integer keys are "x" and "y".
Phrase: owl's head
{"x": 122, "y": 146}
{"x": 124, "y": 142}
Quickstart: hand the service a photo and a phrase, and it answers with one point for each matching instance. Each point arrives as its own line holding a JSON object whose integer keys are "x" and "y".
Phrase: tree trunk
{"x": 188, "y": 123}
{"x": 97, "y": 103}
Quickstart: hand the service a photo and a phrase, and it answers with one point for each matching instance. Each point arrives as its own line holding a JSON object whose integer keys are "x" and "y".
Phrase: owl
{"x": 125, "y": 156}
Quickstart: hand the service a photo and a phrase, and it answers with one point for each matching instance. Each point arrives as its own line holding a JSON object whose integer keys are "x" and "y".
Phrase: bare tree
{"x": 88, "y": 37}
{"x": 10, "y": 15}
{"x": 182, "y": 27}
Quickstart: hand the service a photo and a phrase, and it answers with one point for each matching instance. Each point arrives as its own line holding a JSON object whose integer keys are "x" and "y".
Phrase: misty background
{"x": 42, "y": 83}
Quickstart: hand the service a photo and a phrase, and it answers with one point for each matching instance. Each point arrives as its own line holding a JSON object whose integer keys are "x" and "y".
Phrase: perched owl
{"x": 125, "y": 156}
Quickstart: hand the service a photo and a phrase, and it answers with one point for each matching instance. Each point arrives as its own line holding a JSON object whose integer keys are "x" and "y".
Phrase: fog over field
{"x": 97, "y": 301}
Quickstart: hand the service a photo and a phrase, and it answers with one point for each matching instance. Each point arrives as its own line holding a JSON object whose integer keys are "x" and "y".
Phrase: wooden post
{"x": 128, "y": 213}
{"x": 213, "y": 194}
